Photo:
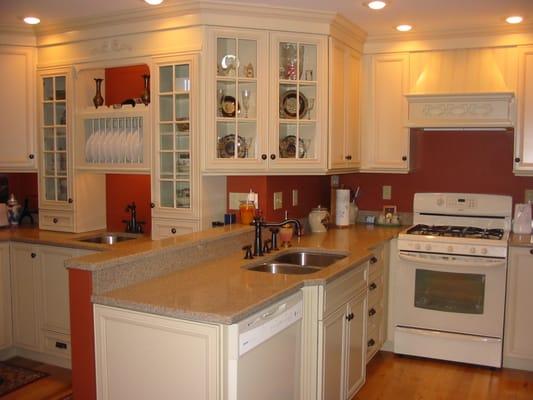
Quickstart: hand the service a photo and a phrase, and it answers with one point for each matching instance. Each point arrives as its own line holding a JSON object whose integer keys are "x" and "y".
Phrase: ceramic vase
{"x": 98, "y": 100}
{"x": 145, "y": 97}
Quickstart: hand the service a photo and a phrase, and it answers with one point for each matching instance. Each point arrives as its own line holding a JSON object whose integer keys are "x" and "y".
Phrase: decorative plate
{"x": 226, "y": 147}
{"x": 289, "y": 104}
{"x": 228, "y": 106}
{"x": 287, "y": 147}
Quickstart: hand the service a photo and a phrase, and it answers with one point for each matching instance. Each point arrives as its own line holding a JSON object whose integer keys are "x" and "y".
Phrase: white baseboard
{"x": 33, "y": 355}
{"x": 518, "y": 363}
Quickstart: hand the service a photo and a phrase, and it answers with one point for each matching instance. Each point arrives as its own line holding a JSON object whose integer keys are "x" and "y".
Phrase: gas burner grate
{"x": 456, "y": 231}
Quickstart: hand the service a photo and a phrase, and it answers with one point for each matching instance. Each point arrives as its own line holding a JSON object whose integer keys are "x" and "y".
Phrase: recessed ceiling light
{"x": 514, "y": 19}
{"x": 154, "y": 2}
{"x": 404, "y": 28}
{"x": 376, "y": 4}
{"x": 32, "y": 20}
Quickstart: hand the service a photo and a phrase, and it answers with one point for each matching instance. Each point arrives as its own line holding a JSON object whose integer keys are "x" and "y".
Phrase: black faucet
{"x": 259, "y": 224}
{"x": 133, "y": 226}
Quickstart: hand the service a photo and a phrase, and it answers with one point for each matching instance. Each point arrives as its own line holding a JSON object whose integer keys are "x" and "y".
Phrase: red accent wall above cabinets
{"x": 465, "y": 162}
{"x": 24, "y": 185}
{"x": 122, "y": 83}
{"x": 121, "y": 190}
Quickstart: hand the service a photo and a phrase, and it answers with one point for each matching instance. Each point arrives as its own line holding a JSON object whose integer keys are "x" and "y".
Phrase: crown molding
{"x": 17, "y": 35}
{"x": 350, "y": 34}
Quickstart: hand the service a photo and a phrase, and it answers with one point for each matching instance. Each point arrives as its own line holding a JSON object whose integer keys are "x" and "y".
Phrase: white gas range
{"x": 450, "y": 278}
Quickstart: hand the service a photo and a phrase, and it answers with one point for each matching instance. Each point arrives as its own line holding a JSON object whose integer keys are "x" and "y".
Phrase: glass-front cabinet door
{"x": 54, "y": 127}
{"x": 299, "y": 96}
{"x": 237, "y": 100}
{"x": 176, "y": 135}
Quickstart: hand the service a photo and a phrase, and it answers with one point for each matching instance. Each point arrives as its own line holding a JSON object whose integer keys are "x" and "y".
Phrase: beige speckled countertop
{"x": 222, "y": 291}
{"x": 521, "y": 240}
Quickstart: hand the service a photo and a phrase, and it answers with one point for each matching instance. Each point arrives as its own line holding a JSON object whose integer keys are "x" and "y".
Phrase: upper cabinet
{"x": 17, "y": 141}
{"x": 523, "y": 159}
{"x": 385, "y": 135}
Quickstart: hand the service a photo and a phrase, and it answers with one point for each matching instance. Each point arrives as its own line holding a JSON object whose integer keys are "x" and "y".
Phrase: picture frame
{"x": 389, "y": 210}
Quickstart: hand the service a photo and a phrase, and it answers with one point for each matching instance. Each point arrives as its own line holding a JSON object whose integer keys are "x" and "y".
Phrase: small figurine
{"x": 249, "y": 70}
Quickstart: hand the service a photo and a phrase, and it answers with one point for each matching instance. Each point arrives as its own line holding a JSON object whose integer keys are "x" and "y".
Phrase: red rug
{"x": 13, "y": 378}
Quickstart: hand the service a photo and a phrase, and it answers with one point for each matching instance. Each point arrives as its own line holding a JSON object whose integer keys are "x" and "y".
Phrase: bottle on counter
{"x": 13, "y": 210}
{"x": 247, "y": 211}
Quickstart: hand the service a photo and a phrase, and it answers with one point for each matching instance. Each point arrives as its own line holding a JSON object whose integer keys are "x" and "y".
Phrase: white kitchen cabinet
{"x": 180, "y": 359}
{"x": 6, "y": 337}
{"x": 68, "y": 201}
{"x": 386, "y": 140}
{"x": 518, "y": 346}
{"x": 18, "y": 138}
{"x": 523, "y": 161}
{"x": 344, "y": 117}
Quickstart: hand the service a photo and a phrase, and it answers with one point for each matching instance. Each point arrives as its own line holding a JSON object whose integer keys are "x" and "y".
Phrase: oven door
{"x": 463, "y": 294}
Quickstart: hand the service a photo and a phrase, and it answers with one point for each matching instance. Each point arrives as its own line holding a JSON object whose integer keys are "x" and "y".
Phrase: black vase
{"x": 98, "y": 100}
{"x": 145, "y": 97}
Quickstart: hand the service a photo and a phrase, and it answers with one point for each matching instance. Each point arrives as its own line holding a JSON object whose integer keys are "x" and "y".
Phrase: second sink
{"x": 109, "y": 238}
{"x": 309, "y": 259}
{"x": 279, "y": 268}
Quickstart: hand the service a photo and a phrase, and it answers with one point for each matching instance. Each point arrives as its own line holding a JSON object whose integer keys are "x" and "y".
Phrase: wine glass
{"x": 220, "y": 99}
{"x": 310, "y": 106}
{"x": 246, "y": 94}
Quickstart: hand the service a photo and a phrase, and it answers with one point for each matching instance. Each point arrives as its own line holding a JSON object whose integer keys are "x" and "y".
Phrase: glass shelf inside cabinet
{"x": 236, "y": 98}
{"x": 54, "y": 134}
{"x": 175, "y": 130}
{"x": 297, "y": 126}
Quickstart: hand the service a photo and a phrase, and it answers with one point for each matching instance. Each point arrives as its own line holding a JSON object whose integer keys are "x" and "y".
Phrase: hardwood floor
{"x": 57, "y": 385}
{"x": 394, "y": 377}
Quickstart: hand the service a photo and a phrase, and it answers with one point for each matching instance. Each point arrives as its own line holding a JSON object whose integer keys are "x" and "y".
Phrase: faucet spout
{"x": 259, "y": 224}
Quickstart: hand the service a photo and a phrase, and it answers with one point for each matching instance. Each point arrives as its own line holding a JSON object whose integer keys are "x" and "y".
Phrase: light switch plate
{"x": 387, "y": 192}
{"x": 528, "y": 195}
{"x": 294, "y": 197}
{"x": 278, "y": 200}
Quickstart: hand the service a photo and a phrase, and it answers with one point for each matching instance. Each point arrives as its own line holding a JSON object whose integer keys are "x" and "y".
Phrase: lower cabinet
{"x": 518, "y": 345}
{"x": 142, "y": 356}
{"x": 5, "y": 298}
{"x": 377, "y": 301}
{"x": 40, "y": 296}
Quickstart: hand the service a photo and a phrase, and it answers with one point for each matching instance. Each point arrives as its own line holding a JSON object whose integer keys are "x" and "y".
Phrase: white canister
{"x": 318, "y": 219}
{"x": 522, "y": 219}
{"x": 342, "y": 210}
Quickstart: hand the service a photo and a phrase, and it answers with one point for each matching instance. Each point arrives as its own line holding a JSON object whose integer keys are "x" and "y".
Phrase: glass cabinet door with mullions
{"x": 236, "y": 98}
{"x": 175, "y": 129}
{"x": 297, "y": 78}
{"x": 54, "y": 133}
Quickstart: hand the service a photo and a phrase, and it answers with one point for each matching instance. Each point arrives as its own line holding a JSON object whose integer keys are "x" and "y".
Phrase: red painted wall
{"x": 469, "y": 162}
{"x": 24, "y": 185}
{"x": 312, "y": 191}
{"x": 123, "y": 83}
{"x": 121, "y": 190}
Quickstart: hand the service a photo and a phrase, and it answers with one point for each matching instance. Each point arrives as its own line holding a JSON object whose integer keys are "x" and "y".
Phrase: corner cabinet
{"x": 266, "y": 103}
{"x": 523, "y": 159}
{"x": 386, "y": 140}
{"x": 65, "y": 203}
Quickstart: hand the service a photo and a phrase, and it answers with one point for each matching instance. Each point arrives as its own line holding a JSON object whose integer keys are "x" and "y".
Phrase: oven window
{"x": 449, "y": 291}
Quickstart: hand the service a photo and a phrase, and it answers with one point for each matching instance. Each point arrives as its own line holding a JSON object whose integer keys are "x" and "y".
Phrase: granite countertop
{"x": 521, "y": 240}
{"x": 221, "y": 291}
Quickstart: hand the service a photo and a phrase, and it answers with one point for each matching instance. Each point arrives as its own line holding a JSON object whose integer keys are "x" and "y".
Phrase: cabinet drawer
{"x": 162, "y": 229}
{"x": 373, "y": 343}
{"x": 56, "y": 220}
{"x": 339, "y": 291}
{"x": 56, "y": 344}
{"x": 375, "y": 318}
{"x": 376, "y": 263}
{"x": 375, "y": 290}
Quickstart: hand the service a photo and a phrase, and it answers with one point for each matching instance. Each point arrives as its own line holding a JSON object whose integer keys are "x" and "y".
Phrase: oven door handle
{"x": 419, "y": 260}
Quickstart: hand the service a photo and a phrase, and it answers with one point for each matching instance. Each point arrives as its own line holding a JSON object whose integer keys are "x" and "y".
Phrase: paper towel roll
{"x": 342, "y": 209}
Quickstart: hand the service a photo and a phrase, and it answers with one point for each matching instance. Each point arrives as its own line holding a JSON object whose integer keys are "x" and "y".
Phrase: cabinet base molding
{"x": 518, "y": 363}
{"x": 36, "y": 356}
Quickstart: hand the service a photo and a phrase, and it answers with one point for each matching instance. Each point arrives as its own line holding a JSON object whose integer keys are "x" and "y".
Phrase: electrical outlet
{"x": 528, "y": 196}
{"x": 387, "y": 192}
{"x": 334, "y": 180}
{"x": 278, "y": 200}
{"x": 294, "y": 197}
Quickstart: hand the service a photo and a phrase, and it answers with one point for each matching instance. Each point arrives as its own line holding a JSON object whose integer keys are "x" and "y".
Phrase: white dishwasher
{"x": 264, "y": 353}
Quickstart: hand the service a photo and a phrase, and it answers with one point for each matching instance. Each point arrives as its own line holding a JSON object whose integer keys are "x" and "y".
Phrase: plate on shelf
{"x": 228, "y": 106}
{"x": 287, "y": 147}
{"x": 288, "y": 104}
{"x": 226, "y": 147}
{"x": 183, "y": 126}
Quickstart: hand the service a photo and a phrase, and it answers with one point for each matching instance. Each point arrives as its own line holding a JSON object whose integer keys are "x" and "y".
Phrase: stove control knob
{"x": 428, "y": 247}
{"x": 483, "y": 250}
{"x": 473, "y": 250}
{"x": 417, "y": 246}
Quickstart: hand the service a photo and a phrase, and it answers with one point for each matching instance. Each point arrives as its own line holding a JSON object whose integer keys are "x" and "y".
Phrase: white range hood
{"x": 459, "y": 111}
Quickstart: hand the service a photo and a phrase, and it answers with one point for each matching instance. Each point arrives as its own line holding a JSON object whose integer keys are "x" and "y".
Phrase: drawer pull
{"x": 373, "y": 260}
{"x": 371, "y": 343}
{"x": 531, "y": 251}
{"x": 373, "y": 286}
{"x": 33, "y": 255}
{"x": 55, "y": 220}
{"x": 173, "y": 230}
{"x": 349, "y": 317}
{"x": 61, "y": 345}
{"x": 371, "y": 312}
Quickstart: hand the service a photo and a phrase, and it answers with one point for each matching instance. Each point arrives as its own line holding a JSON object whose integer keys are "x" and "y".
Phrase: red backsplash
{"x": 24, "y": 185}
{"x": 465, "y": 162}
{"x": 122, "y": 83}
{"x": 123, "y": 189}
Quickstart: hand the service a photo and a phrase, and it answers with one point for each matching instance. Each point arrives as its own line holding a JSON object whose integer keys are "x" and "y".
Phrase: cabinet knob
{"x": 349, "y": 317}
{"x": 55, "y": 220}
{"x": 348, "y": 157}
{"x": 371, "y": 343}
{"x": 517, "y": 159}
{"x": 264, "y": 156}
{"x": 531, "y": 251}
{"x": 373, "y": 286}
{"x": 404, "y": 158}
{"x": 70, "y": 200}
{"x": 371, "y": 312}
{"x": 272, "y": 156}
{"x": 173, "y": 230}
{"x": 373, "y": 260}
{"x": 152, "y": 205}
{"x": 33, "y": 255}
{"x": 31, "y": 156}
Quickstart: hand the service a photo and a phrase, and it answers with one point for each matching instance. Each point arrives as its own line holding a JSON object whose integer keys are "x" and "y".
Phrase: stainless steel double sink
{"x": 297, "y": 262}
{"x": 109, "y": 238}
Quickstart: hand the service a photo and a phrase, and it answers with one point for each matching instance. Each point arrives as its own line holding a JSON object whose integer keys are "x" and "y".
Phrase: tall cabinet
{"x": 523, "y": 159}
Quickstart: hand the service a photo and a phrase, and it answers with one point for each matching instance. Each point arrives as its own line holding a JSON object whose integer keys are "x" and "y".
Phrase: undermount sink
{"x": 297, "y": 262}
{"x": 109, "y": 238}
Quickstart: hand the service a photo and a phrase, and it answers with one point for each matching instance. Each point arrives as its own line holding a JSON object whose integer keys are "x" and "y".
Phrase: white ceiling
{"x": 424, "y": 15}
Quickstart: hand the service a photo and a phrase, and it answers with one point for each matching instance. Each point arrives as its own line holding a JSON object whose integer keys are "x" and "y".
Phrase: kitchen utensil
{"x": 342, "y": 216}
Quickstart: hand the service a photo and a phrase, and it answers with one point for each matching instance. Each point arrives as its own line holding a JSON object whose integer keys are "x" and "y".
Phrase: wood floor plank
{"x": 394, "y": 377}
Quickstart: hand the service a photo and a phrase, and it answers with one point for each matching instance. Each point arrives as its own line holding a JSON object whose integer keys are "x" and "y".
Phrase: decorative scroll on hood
{"x": 468, "y": 110}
